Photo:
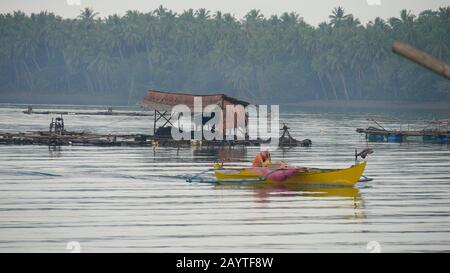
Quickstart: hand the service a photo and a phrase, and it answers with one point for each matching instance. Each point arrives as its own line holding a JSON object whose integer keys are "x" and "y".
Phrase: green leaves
{"x": 276, "y": 58}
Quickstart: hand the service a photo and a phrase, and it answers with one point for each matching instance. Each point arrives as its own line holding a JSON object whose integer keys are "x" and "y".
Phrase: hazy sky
{"x": 313, "y": 11}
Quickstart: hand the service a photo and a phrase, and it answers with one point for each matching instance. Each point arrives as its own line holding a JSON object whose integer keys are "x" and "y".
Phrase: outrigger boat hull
{"x": 338, "y": 177}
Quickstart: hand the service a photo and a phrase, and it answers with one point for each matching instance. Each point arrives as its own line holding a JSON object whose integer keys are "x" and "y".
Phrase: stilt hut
{"x": 163, "y": 102}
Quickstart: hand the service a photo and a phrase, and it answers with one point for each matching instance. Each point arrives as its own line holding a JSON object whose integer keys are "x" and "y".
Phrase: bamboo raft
{"x": 439, "y": 135}
{"x": 57, "y": 135}
{"x": 72, "y": 138}
{"x": 68, "y": 138}
{"x": 431, "y": 136}
{"x": 108, "y": 112}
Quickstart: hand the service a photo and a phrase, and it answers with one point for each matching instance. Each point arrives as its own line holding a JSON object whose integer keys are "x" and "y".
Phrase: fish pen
{"x": 57, "y": 135}
{"x": 160, "y": 105}
{"x": 436, "y": 131}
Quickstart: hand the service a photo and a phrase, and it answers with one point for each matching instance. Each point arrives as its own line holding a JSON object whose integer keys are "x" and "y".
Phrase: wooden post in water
{"x": 154, "y": 124}
{"x": 421, "y": 58}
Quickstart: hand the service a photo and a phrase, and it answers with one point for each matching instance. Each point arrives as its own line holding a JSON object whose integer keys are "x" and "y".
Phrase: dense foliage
{"x": 281, "y": 58}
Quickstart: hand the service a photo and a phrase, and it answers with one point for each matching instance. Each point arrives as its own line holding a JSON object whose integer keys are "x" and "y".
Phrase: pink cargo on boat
{"x": 277, "y": 175}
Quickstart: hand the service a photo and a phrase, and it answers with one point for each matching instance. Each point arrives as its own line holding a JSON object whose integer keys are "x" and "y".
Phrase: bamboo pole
{"x": 422, "y": 58}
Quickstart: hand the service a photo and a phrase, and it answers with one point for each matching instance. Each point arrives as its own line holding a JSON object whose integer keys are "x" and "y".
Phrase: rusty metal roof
{"x": 164, "y": 101}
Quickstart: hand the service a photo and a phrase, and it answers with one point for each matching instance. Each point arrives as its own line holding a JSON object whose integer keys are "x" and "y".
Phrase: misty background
{"x": 78, "y": 51}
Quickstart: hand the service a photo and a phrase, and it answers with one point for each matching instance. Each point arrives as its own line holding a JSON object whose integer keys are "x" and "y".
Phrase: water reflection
{"x": 54, "y": 151}
{"x": 219, "y": 154}
{"x": 290, "y": 190}
{"x": 312, "y": 196}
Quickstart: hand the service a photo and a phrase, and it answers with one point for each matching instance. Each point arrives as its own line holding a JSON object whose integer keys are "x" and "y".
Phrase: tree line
{"x": 266, "y": 59}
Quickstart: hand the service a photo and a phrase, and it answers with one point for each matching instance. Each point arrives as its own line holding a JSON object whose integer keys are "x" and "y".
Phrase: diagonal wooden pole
{"x": 421, "y": 58}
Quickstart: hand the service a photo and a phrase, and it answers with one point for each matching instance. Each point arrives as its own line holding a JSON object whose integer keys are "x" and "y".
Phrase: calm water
{"x": 134, "y": 199}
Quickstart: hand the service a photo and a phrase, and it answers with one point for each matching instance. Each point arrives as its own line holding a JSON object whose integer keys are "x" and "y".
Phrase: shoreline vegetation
{"x": 278, "y": 59}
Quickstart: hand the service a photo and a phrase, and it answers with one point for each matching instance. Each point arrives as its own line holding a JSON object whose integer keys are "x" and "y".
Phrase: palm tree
{"x": 202, "y": 14}
{"x": 337, "y": 16}
{"x": 88, "y": 14}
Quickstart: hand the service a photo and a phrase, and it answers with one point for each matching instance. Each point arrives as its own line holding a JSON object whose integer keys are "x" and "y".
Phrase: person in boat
{"x": 262, "y": 159}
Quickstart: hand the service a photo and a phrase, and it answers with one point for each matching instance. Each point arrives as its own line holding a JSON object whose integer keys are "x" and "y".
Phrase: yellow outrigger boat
{"x": 339, "y": 177}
